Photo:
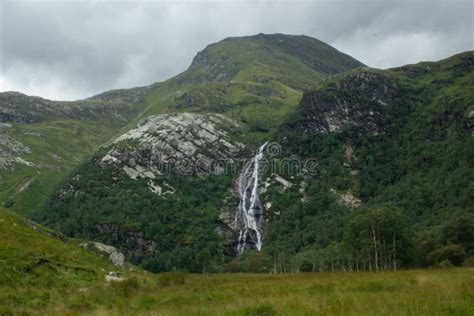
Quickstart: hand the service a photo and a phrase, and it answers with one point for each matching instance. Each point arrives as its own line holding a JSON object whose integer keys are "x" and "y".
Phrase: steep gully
{"x": 249, "y": 213}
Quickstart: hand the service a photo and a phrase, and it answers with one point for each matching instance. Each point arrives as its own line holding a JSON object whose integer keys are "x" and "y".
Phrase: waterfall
{"x": 248, "y": 215}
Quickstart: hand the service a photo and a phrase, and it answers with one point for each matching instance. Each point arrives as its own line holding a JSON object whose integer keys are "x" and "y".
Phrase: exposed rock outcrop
{"x": 113, "y": 276}
{"x": 11, "y": 152}
{"x": 112, "y": 254}
{"x": 184, "y": 143}
{"x": 361, "y": 98}
{"x": 116, "y": 257}
{"x": 347, "y": 199}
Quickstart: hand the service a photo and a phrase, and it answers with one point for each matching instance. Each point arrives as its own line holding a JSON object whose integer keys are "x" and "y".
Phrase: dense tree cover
{"x": 104, "y": 204}
{"x": 322, "y": 235}
{"x": 414, "y": 180}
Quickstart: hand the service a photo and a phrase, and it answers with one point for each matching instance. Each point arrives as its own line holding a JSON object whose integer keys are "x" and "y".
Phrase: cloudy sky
{"x": 68, "y": 50}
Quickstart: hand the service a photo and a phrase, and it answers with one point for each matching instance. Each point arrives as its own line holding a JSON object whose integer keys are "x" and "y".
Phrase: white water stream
{"x": 249, "y": 214}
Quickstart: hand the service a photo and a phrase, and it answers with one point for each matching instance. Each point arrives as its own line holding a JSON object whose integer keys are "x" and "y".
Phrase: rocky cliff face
{"x": 362, "y": 98}
{"x": 184, "y": 143}
{"x": 159, "y": 188}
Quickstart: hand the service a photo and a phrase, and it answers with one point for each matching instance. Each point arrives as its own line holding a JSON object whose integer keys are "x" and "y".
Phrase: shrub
{"x": 445, "y": 264}
{"x": 251, "y": 262}
{"x": 469, "y": 262}
{"x": 453, "y": 253}
{"x": 8, "y": 203}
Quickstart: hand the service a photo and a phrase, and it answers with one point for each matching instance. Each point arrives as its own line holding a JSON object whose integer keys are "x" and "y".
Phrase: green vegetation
{"x": 182, "y": 223}
{"x": 392, "y": 190}
{"x": 57, "y": 147}
{"x": 256, "y": 80}
{"x": 428, "y": 292}
{"x": 58, "y": 136}
{"x": 413, "y": 176}
{"x": 405, "y": 153}
{"x": 42, "y": 272}
{"x": 39, "y": 266}
{"x": 389, "y": 293}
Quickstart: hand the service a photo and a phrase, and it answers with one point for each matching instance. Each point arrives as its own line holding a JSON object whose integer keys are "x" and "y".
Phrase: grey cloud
{"x": 70, "y": 50}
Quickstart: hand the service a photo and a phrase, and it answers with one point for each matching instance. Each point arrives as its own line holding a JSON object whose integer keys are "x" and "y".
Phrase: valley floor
{"x": 413, "y": 292}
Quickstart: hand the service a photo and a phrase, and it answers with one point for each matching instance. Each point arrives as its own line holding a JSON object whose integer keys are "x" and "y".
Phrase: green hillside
{"x": 39, "y": 267}
{"x": 398, "y": 142}
{"x": 43, "y": 273}
{"x": 269, "y": 154}
{"x": 256, "y": 80}
{"x": 393, "y": 165}
{"x": 42, "y": 140}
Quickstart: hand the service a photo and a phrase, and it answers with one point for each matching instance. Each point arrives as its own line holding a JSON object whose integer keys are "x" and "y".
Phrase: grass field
{"x": 416, "y": 292}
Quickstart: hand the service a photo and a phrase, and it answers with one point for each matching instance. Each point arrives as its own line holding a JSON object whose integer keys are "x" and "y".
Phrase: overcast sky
{"x": 68, "y": 50}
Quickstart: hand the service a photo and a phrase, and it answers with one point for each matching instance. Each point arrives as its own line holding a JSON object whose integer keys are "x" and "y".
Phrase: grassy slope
{"x": 265, "y": 79}
{"x": 57, "y": 147}
{"x": 38, "y": 266}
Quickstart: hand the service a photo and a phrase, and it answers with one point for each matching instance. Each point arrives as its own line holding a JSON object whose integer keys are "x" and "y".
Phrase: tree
{"x": 460, "y": 230}
{"x": 379, "y": 235}
{"x": 307, "y": 260}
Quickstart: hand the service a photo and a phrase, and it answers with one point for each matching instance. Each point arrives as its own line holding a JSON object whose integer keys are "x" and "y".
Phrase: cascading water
{"x": 248, "y": 215}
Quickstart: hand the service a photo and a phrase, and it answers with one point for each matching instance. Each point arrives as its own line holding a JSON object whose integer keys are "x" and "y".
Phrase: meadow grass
{"x": 413, "y": 292}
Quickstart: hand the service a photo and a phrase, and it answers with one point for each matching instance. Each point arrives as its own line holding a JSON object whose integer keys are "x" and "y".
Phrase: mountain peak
{"x": 280, "y": 53}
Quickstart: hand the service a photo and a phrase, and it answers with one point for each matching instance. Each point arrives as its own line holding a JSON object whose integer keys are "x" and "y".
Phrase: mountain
{"x": 273, "y": 149}
{"x": 366, "y": 169}
{"x": 42, "y": 140}
{"x": 296, "y": 61}
{"x": 398, "y": 142}
{"x": 255, "y": 80}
